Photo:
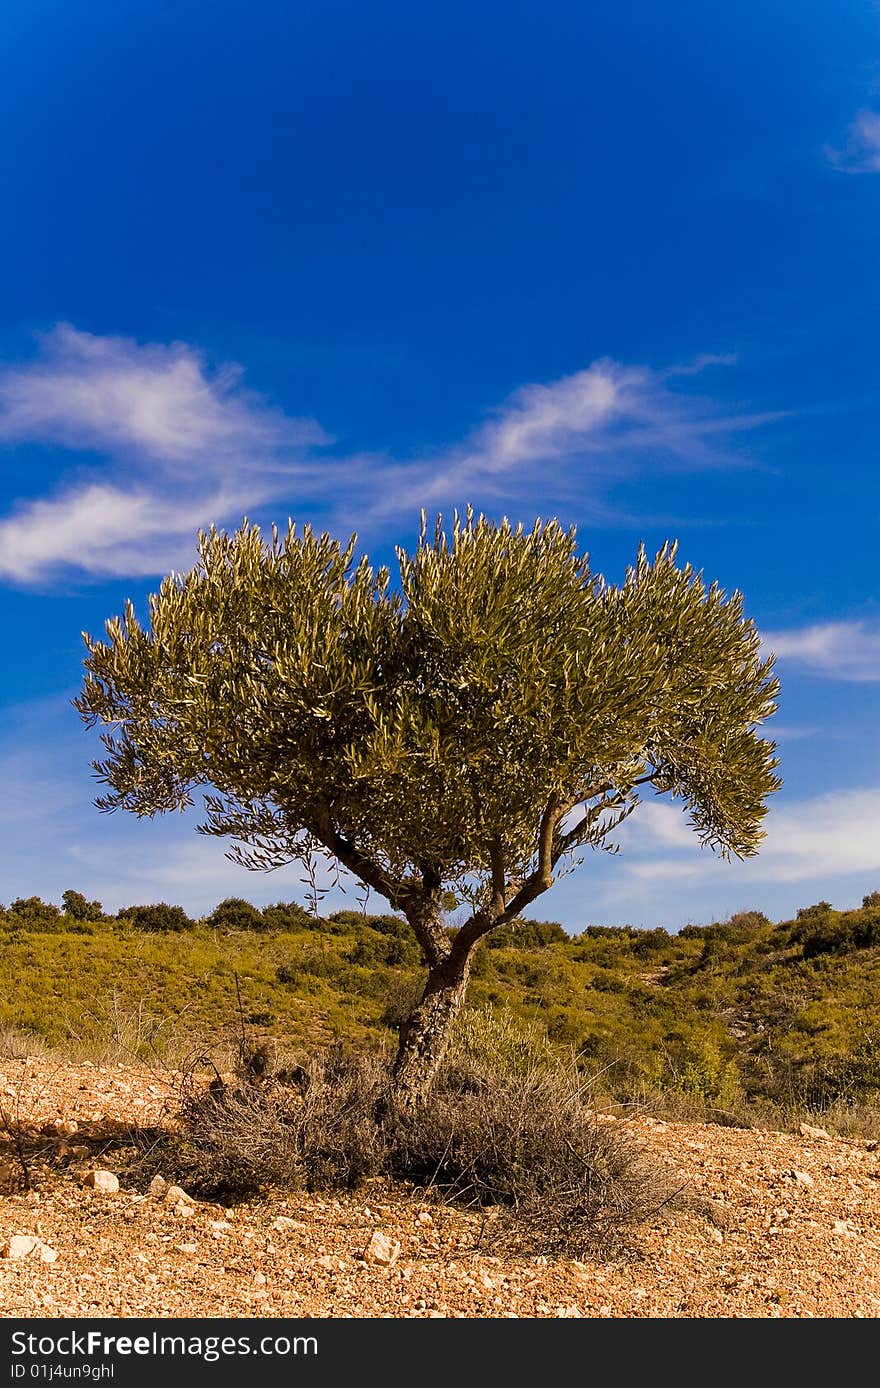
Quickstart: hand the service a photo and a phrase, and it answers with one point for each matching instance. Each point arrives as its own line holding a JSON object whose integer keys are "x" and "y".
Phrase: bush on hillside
{"x": 78, "y": 908}
{"x": 527, "y": 935}
{"x": 289, "y": 915}
{"x": 34, "y": 913}
{"x": 234, "y": 913}
{"x": 370, "y": 947}
{"x": 156, "y": 917}
{"x": 837, "y": 932}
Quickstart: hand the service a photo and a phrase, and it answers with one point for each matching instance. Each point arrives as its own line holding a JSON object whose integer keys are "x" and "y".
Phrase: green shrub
{"x": 401, "y": 996}
{"x": 498, "y": 1039}
{"x": 853, "y": 1076}
{"x": 708, "y": 1074}
{"x": 78, "y": 908}
{"x": 156, "y": 917}
{"x": 34, "y": 913}
{"x": 390, "y": 925}
{"x": 287, "y": 915}
{"x": 234, "y": 913}
{"x": 526, "y": 934}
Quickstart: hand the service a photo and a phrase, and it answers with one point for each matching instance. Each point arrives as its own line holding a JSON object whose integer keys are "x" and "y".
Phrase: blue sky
{"x": 613, "y": 263}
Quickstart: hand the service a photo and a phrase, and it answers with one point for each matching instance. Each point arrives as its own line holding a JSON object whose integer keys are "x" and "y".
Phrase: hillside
{"x": 765, "y": 1224}
{"x": 741, "y": 1016}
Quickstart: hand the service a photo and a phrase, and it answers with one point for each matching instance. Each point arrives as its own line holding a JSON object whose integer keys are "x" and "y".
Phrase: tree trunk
{"x": 425, "y": 1035}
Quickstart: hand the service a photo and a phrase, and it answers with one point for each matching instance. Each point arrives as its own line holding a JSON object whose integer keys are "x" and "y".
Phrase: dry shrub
{"x": 310, "y": 1128}
{"x": 560, "y": 1178}
{"x": 522, "y": 1140}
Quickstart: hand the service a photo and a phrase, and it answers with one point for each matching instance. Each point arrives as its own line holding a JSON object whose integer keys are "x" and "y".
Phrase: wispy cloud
{"x": 830, "y": 835}
{"x": 183, "y": 867}
{"x": 184, "y": 445}
{"x": 104, "y": 530}
{"x": 158, "y": 402}
{"x": 173, "y": 444}
{"x": 610, "y": 418}
{"x": 838, "y": 650}
{"x": 861, "y": 152}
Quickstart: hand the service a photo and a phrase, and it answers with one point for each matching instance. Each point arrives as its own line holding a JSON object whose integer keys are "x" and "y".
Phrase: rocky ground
{"x": 766, "y": 1224}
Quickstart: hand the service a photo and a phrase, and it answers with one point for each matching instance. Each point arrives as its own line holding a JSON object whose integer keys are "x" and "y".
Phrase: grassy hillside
{"x": 741, "y": 1012}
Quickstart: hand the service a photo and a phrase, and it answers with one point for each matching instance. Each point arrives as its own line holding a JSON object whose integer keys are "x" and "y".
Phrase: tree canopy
{"x": 470, "y": 726}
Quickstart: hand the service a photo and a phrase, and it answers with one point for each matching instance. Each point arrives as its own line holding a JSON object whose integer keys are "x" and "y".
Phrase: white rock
{"x": 806, "y": 1130}
{"x": 803, "y": 1178}
{"x": 424, "y": 1218}
{"x": 285, "y": 1225}
{"x": 843, "y": 1226}
{"x": 59, "y": 1127}
{"x": 714, "y": 1235}
{"x": 19, "y": 1246}
{"x": 174, "y": 1195}
{"x": 105, "y": 1181}
{"x": 381, "y": 1250}
{"x": 184, "y": 1209}
{"x": 26, "y": 1246}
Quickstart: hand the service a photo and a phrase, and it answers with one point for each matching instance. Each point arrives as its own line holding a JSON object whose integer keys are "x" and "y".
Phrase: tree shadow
{"x": 31, "y": 1152}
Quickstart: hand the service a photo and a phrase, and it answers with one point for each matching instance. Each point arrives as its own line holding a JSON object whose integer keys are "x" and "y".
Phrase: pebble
{"x": 382, "y": 1250}
{"x": 105, "y": 1181}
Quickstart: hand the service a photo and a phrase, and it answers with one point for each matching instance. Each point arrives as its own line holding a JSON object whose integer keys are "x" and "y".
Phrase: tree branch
{"x": 546, "y": 831}
{"x": 499, "y": 874}
{"x": 505, "y": 907}
{"x": 550, "y": 850}
{"x": 608, "y": 802}
{"x": 418, "y": 905}
{"x": 392, "y": 888}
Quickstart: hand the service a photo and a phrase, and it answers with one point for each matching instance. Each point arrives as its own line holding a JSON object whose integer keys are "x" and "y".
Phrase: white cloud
{"x": 104, "y": 531}
{"x": 861, "y": 153}
{"x": 788, "y": 732}
{"x": 186, "y": 446}
{"x": 194, "y": 872}
{"x": 53, "y": 837}
{"x": 611, "y": 418}
{"x": 840, "y": 650}
{"x": 830, "y": 835}
{"x": 155, "y": 401}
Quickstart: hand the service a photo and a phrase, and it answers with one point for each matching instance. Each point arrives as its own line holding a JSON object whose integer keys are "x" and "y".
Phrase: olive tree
{"x": 465, "y": 729}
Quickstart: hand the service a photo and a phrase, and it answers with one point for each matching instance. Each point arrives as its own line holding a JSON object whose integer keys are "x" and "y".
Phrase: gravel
{"x": 766, "y": 1224}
